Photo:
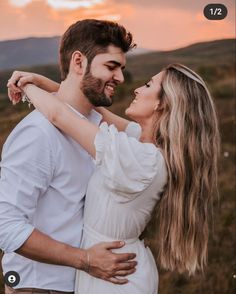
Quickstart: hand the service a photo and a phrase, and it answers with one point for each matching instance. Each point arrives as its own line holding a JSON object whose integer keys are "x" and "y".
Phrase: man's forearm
{"x": 42, "y": 248}
{"x": 98, "y": 260}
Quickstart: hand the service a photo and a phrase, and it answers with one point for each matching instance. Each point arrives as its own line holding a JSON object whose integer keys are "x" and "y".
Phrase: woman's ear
{"x": 159, "y": 106}
{"x": 78, "y": 62}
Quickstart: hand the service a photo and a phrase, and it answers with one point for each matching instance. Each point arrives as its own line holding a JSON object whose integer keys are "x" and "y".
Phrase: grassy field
{"x": 216, "y": 63}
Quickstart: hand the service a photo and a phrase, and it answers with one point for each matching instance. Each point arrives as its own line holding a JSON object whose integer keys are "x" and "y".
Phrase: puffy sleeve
{"x": 128, "y": 165}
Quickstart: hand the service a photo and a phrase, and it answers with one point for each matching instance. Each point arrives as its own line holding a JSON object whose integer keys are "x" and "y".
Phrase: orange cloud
{"x": 154, "y": 26}
{"x": 170, "y": 28}
{"x": 60, "y": 4}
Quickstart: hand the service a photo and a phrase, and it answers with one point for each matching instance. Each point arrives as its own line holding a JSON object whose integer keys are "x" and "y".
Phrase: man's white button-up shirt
{"x": 44, "y": 176}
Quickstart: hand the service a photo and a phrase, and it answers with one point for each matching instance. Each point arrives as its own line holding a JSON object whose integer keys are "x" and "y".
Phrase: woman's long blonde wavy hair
{"x": 189, "y": 137}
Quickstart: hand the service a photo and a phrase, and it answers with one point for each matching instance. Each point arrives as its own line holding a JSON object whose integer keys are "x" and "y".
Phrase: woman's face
{"x": 145, "y": 103}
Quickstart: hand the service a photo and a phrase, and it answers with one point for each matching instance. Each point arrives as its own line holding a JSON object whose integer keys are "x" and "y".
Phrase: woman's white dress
{"x": 121, "y": 195}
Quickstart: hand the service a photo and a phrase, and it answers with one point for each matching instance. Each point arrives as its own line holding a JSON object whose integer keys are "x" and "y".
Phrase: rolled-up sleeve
{"x": 26, "y": 171}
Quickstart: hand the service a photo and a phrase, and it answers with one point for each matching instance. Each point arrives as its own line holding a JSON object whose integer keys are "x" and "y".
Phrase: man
{"x": 44, "y": 173}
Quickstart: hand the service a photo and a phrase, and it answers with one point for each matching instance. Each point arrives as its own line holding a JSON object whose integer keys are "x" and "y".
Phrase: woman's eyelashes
{"x": 147, "y": 85}
{"x": 110, "y": 67}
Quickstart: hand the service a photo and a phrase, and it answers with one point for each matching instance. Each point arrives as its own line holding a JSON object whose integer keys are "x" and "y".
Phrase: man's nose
{"x": 119, "y": 76}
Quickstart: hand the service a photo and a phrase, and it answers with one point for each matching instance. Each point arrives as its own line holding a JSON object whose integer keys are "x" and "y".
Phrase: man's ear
{"x": 78, "y": 62}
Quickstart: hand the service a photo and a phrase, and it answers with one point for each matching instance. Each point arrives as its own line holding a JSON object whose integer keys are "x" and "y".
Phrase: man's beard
{"x": 93, "y": 89}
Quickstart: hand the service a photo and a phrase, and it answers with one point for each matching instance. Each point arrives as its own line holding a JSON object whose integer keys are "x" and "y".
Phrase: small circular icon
{"x": 215, "y": 11}
{"x": 12, "y": 279}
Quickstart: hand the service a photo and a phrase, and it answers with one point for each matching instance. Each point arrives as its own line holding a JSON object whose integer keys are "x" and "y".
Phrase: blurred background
{"x": 165, "y": 31}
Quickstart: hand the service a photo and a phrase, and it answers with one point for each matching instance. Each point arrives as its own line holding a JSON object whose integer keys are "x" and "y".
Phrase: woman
{"x": 169, "y": 157}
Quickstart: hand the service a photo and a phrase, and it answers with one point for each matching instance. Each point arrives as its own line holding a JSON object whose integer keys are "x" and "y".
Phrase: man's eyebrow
{"x": 116, "y": 63}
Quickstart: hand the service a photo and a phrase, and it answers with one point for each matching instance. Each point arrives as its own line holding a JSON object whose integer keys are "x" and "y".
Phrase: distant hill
{"x": 28, "y": 52}
{"x": 212, "y": 60}
{"x": 22, "y": 53}
{"x": 15, "y": 54}
{"x": 206, "y": 54}
{"x": 35, "y": 51}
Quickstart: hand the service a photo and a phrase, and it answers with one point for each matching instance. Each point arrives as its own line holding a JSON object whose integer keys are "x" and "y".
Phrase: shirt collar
{"x": 94, "y": 116}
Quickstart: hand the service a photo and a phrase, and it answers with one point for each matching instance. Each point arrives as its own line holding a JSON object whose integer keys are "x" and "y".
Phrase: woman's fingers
{"x": 19, "y": 79}
{"x": 12, "y": 85}
{"x": 15, "y": 84}
{"x": 11, "y": 94}
{"x": 14, "y": 97}
{"x": 17, "y": 99}
{"x": 14, "y": 78}
{"x": 25, "y": 80}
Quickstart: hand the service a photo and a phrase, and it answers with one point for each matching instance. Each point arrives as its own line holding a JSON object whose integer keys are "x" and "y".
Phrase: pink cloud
{"x": 168, "y": 28}
{"x": 154, "y": 26}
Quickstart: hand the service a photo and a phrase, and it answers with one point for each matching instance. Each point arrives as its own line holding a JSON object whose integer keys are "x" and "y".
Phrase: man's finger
{"x": 126, "y": 265}
{"x": 123, "y": 257}
{"x": 118, "y": 281}
{"x": 125, "y": 273}
{"x": 114, "y": 245}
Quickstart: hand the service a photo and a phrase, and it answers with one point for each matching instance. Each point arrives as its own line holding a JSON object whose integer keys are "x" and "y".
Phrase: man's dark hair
{"x": 92, "y": 37}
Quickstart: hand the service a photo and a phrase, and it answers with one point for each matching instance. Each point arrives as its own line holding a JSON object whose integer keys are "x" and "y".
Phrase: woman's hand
{"x": 17, "y": 81}
{"x": 20, "y": 79}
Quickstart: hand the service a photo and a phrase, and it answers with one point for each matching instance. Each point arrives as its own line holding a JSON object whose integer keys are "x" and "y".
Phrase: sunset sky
{"x": 155, "y": 24}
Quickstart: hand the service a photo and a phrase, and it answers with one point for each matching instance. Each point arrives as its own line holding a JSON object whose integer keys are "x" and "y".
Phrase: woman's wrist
{"x": 25, "y": 97}
{"x": 99, "y": 109}
{"x": 38, "y": 80}
{"x": 27, "y": 87}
